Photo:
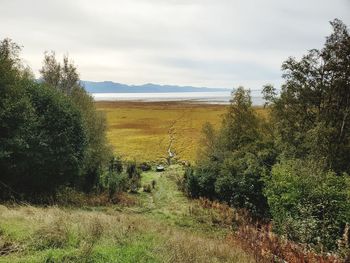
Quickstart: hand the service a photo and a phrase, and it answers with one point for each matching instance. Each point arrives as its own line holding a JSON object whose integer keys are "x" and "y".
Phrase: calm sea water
{"x": 202, "y": 97}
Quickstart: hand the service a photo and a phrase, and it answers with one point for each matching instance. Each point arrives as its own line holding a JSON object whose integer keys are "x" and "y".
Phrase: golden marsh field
{"x": 144, "y": 130}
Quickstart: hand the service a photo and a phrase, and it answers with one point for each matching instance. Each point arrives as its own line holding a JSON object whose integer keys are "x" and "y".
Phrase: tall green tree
{"x": 312, "y": 113}
{"x": 308, "y": 190}
{"x": 234, "y": 159}
{"x": 65, "y": 78}
{"x": 241, "y": 124}
{"x": 98, "y": 152}
{"x": 42, "y": 138}
{"x": 16, "y": 114}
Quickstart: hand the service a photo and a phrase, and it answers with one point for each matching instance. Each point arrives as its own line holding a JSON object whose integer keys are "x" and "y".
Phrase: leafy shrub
{"x": 191, "y": 184}
{"x": 233, "y": 160}
{"x": 115, "y": 181}
{"x": 147, "y": 188}
{"x": 239, "y": 183}
{"x": 307, "y": 204}
{"x": 134, "y": 175}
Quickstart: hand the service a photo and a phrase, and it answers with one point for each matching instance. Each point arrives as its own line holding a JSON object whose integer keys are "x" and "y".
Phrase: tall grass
{"x": 56, "y": 234}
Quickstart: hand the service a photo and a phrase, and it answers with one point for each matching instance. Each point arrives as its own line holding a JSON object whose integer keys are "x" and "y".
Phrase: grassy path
{"x": 169, "y": 205}
{"x": 163, "y": 226}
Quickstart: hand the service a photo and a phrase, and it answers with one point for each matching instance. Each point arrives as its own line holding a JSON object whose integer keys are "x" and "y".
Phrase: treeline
{"x": 290, "y": 167}
{"x": 51, "y": 135}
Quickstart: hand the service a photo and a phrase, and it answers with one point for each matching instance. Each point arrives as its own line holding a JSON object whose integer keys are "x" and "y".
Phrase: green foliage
{"x": 311, "y": 115}
{"x": 233, "y": 160}
{"x": 308, "y": 204}
{"x": 58, "y": 153}
{"x": 61, "y": 77}
{"x": 147, "y": 188}
{"x": 50, "y": 132}
{"x": 308, "y": 191}
{"x": 241, "y": 124}
{"x": 134, "y": 175}
{"x": 42, "y": 134}
{"x": 65, "y": 78}
{"x": 115, "y": 180}
{"x": 191, "y": 183}
{"x": 305, "y": 143}
{"x": 98, "y": 151}
{"x": 239, "y": 183}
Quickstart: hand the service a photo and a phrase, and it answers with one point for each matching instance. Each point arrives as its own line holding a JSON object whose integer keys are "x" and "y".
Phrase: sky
{"x": 203, "y": 43}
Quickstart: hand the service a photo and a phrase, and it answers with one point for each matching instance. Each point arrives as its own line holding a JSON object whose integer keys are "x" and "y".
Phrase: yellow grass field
{"x": 144, "y": 130}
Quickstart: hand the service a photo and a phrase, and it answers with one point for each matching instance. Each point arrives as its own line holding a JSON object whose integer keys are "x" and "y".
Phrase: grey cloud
{"x": 198, "y": 42}
{"x": 237, "y": 70}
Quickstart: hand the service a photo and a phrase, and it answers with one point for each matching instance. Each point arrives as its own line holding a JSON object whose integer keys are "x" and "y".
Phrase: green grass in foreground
{"x": 160, "y": 228}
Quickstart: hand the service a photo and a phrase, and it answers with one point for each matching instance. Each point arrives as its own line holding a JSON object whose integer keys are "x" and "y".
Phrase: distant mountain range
{"x": 113, "y": 87}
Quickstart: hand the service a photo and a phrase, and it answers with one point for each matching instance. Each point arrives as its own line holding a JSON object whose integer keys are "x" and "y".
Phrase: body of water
{"x": 202, "y": 97}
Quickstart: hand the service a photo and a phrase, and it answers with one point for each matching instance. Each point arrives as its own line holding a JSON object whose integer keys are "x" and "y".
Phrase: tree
{"x": 65, "y": 78}
{"x": 42, "y": 139}
{"x": 308, "y": 190}
{"x": 240, "y": 124}
{"x": 311, "y": 114}
{"x": 98, "y": 151}
{"x": 16, "y": 114}
{"x": 62, "y": 77}
{"x": 58, "y": 143}
{"x": 234, "y": 159}
{"x": 208, "y": 143}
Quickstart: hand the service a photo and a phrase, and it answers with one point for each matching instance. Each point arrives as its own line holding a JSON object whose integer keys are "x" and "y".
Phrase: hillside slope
{"x": 162, "y": 226}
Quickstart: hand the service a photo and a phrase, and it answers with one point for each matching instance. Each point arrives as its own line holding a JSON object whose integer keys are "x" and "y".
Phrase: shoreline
{"x": 161, "y": 102}
{"x": 173, "y": 103}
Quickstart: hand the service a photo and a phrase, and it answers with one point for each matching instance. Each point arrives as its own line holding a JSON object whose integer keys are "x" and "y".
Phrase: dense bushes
{"x": 234, "y": 159}
{"x": 121, "y": 177}
{"x": 308, "y": 204}
{"x": 134, "y": 176}
{"x": 293, "y": 166}
{"x": 57, "y": 146}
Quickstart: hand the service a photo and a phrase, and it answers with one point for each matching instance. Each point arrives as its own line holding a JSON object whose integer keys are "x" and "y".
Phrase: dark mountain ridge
{"x": 114, "y": 87}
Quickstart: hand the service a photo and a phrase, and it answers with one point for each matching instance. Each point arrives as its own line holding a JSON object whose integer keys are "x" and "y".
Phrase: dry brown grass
{"x": 192, "y": 249}
{"x": 70, "y": 197}
{"x": 265, "y": 246}
{"x": 259, "y": 240}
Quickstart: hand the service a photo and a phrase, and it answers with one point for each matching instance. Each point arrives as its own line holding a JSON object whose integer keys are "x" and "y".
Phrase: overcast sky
{"x": 212, "y": 43}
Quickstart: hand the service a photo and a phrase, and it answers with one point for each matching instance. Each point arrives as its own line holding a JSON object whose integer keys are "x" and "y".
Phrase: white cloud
{"x": 215, "y": 43}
